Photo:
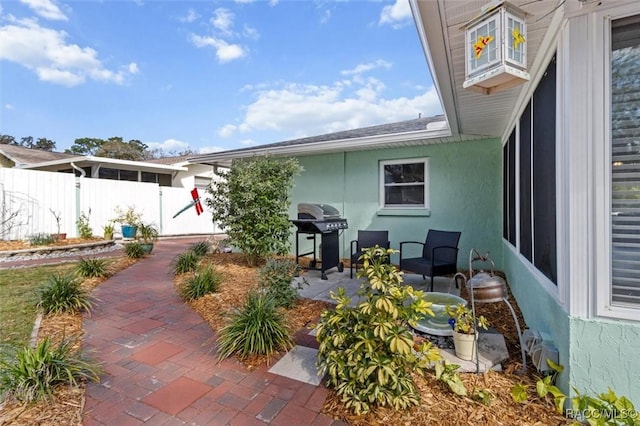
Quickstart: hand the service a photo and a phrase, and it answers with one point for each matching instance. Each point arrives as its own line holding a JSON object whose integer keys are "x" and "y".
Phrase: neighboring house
{"x": 169, "y": 171}
{"x": 551, "y": 189}
{"x": 36, "y": 183}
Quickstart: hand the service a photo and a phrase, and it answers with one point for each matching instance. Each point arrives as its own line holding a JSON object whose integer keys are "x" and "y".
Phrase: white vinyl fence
{"x": 28, "y": 197}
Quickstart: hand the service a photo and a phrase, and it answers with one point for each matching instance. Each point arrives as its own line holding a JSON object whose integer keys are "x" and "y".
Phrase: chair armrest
{"x": 409, "y": 242}
{"x": 433, "y": 250}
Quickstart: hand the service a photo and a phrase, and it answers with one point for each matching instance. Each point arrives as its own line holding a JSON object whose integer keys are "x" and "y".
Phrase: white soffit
{"x": 475, "y": 113}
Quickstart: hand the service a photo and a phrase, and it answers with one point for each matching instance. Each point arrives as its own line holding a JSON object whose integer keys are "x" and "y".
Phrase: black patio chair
{"x": 439, "y": 255}
{"x": 367, "y": 239}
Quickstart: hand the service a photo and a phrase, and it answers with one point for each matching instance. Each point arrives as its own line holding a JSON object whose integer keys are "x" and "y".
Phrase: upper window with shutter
{"x": 625, "y": 161}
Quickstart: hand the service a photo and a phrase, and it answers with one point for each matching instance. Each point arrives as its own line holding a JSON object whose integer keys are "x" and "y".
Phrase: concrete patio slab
{"x": 299, "y": 364}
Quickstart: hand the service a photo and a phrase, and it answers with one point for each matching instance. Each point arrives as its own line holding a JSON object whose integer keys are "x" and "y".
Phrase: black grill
{"x": 323, "y": 220}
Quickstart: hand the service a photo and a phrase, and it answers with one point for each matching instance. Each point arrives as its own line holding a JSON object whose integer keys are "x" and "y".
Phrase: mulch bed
{"x": 439, "y": 406}
{"x": 10, "y": 245}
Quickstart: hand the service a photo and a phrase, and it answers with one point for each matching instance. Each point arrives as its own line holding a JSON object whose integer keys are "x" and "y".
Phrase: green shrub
{"x": 275, "y": 279}
{"x": 82, "y": 223}
{"x": 34, "y": 372}
{"x": 134, "y": 250}
{"x": 92, "y": 267}
{"x": 368, "y": 351}
{"x": 251, "y": 202}
{"x": 186, "y": 262}
{"x": 205, "y": 280}
{"x": 200, "y": 248}
{"x": 63, "y": 294}
{"x": 42, "y": 239}
{"x": 258, "y": 328}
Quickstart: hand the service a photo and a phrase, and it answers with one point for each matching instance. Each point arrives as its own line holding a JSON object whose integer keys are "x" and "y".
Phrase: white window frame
{"x": 478, "y": 69}
{"x": 383, "y": 185}
{"x": 602, "y": 191}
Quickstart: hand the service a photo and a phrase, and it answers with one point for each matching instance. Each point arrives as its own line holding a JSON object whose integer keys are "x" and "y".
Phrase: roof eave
{"x": 103, "y": 160}
{"x": 323, "y": 146}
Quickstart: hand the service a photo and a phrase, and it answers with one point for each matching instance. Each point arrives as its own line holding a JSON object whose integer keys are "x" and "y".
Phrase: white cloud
{"x": 191, "y": 16}
{"x": 47, "y": 53}
{"x": 46, "y": 9}
{"x": 397, "y": 14}
{"x": 247, "y": 142}
{"x": 326, "y": 16}
{"x": 224, "y": 51}
{"x": 222, "y": 20}
{"x": 331, "y": 108}
{"x": 250, "y": 32}
{"x": 169, "y": 145}
{"x": 8, "y": 106}
{"x": 362, "y": 68}
{"x": 210, "y": 149}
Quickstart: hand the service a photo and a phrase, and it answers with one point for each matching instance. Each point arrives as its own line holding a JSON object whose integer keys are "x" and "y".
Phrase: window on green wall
{"x": 404, "y": 183}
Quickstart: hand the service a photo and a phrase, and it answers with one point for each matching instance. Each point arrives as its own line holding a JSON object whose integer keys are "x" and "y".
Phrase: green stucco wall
{"x": 541, "y": 311}
{"x": 597, "y": 353}
{"x": 465, "y": 181}
{"x": 606, "y": 354}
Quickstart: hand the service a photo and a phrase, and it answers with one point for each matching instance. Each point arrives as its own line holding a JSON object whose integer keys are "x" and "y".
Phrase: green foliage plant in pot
{"x": 128, "y": 220}
{"x": 368, "y": 351}
{"x": 147, "y": 234}
{"x": 108, "y": 230}
{"x": 465, "y": 330}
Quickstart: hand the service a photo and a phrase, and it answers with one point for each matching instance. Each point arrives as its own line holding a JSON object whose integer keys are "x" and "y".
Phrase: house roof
{"x": 418, "y": 131}
{"x": 35, "y": 159}
{"x": 177, "y": 160}
{"x": 23, "y": 156}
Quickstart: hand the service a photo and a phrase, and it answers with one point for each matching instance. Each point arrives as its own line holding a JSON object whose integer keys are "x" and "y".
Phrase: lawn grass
{"x": 18, "y": 298}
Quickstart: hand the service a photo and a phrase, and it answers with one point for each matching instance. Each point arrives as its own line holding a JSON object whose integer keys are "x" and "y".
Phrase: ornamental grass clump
{"x": 275, "y": 279}
{"x": 368, "y": 350}
{"x": 134, "y": 250}
{"x": 33, "y": 373}
{"x": 185, "y": 262}
{"x": 63, "y": 294}
{"x": 205, "y": 280}
{"x": 200, "y": 248}
{"x": 92, "y": 267}
{"x": 258, "y": 328}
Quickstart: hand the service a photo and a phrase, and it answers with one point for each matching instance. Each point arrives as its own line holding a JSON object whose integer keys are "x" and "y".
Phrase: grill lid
{"x": 317, "y": 211}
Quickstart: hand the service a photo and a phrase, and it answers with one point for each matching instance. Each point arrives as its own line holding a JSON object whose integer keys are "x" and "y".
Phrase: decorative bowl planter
{"x": 439, "y": 324}
{"x": 129, "y": 231}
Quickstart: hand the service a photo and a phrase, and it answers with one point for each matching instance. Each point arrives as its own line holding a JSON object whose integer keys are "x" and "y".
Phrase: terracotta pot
{"x": 61, "y": 236}
{"x": 466, "y": 345}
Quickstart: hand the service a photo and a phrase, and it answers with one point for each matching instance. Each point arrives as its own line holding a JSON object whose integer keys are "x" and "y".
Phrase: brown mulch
{"x": 10, "y": 245}
{"x": 439, "y": 406}
{"x": 67, "y": 403}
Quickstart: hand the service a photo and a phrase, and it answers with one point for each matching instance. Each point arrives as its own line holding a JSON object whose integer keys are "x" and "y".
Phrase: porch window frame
{"x": 425, "y": 183}
{"x": 604, "y": 306}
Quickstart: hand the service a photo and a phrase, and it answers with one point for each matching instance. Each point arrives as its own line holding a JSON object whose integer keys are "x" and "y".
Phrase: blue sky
{"x": 207, "y": 75}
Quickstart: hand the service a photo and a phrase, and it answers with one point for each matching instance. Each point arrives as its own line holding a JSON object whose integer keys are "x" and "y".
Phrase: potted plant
{"x": 465, "y": 330}
{"x": 108, "y": 230}
{"x": 58, "y": 217}
{"x": 128, "y": 220}
{"x": 147, "y": 234}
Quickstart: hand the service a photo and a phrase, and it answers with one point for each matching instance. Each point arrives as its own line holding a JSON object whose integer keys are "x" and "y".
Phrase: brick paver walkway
{"x": 160, "y": 368}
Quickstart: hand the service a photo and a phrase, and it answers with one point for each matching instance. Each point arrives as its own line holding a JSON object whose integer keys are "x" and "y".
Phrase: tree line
{"x": 114, "y": 147}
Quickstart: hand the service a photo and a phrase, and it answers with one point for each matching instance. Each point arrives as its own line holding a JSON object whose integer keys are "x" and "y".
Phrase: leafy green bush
{"x": 185, "y": 262}
{"x": 368, "y": 351}
{"x": 251, "y": 202}
{"x": 42, "y": 239}
{"x": 82, "y": 223}
{"x": 258, "y": 328}
{"x": 92, "y": 267}
{"x": 275, "y": 279}
{"x": 34, "y": 372}
{"x": 134, "y": 250}
{"x": 205, "y": 280}
{"x": 63, "y": 294}
{"x": 200, "y": 248}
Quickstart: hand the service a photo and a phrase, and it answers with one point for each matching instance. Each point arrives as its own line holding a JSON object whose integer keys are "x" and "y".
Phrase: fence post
{"x": 160, "y": 205}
